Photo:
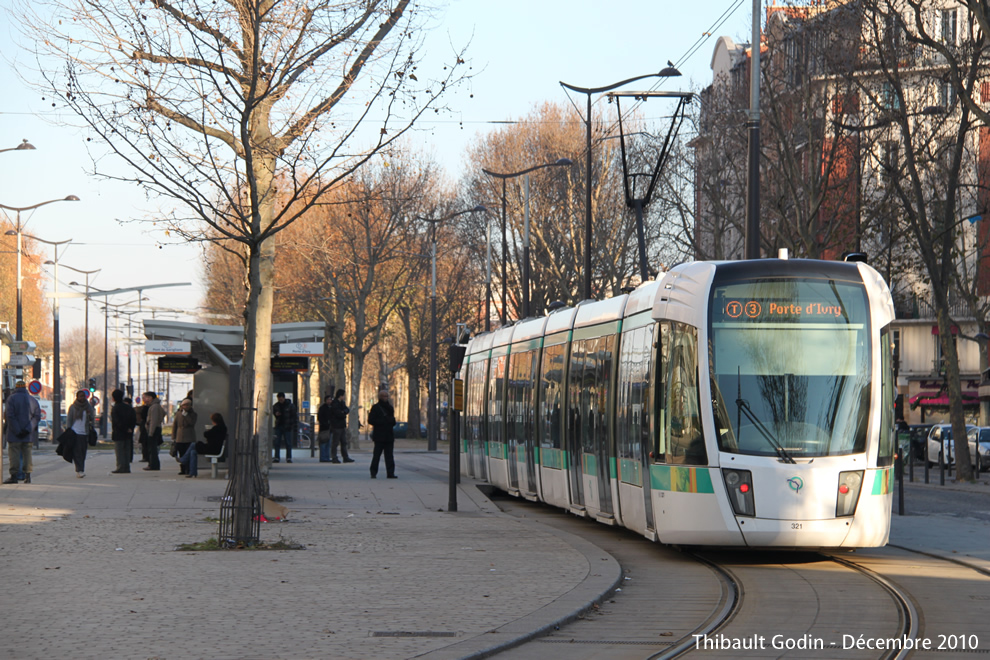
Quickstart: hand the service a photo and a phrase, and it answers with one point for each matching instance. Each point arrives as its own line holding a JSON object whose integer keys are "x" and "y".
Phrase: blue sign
{"x": 34, "y": 387}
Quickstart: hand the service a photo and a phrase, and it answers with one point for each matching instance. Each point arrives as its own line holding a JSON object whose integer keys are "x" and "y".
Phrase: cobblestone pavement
{"x": 91, "y": 568}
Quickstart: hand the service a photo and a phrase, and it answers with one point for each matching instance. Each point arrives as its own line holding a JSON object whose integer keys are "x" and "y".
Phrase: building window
{"x": 949, "y": 31}
{"x": 946, "y": 94}
{"x": 889, "y": 97}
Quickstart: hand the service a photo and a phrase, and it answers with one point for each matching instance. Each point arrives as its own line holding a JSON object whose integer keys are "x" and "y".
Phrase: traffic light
{"x": 92, "y": 385}
{"x": 36, "y": 370}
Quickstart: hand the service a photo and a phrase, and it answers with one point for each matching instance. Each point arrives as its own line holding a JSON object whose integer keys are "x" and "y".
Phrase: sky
{"x": 519, "y": 51}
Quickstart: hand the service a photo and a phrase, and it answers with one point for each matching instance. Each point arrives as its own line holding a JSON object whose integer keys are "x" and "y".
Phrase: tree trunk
{"x": 964, "y": 467}
{"x": 357, "y": 416}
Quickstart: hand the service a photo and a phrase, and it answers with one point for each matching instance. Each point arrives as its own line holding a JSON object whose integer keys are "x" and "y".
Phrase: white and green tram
{"x": 745, "y": 403}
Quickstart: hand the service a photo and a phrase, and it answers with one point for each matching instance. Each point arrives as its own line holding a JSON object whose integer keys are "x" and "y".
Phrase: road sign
{"x": 301, "y": 349}
{"x": 22, "y": 346}
{"x": 20, "y": 361}
{"x": 34, "y": 387}
{"x": 458, "y": 394}
{"x": 95, "y": 400}
{"x": 167, "y": 347}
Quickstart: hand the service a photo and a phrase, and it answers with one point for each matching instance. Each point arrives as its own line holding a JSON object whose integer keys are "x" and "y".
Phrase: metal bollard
{"x": 899, "y": 475}
{"x": 911, "y": 465}
{"x": 941, "y": 467}
{"x": 926, "y": 463}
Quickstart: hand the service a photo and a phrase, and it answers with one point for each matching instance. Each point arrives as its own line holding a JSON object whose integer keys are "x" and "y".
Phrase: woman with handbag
{"x": 80, "y": 421}
{"x": 183, "y": 433}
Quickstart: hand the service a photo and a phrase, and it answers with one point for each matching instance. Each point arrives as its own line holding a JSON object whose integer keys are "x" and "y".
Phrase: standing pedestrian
{"x": 338, "y": 427}
{"x": 80, "y": 420}
{"x": 141, "y": 412}
{"x": 323, "y": 436}
{"x": 382, "y": 420}
{"x": 183, "y": 432}
{"x": 122, "y": 423}
{"x": 284, "y": 413}
{"x": 154, "y": 417}
{"x": 21, "y": 416}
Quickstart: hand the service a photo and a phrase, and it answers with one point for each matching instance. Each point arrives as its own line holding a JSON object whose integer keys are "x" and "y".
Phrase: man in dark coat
{"x": 21, "y": 414}
{"x": 323, "y": 418}
{"x": 285, "y": 416}
{"x": 338, "y": 427}
{"x": 122, "y": 423}
{"x": 382, "y": 420}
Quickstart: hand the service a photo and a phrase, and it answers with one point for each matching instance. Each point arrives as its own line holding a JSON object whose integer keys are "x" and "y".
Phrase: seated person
{"x": 213, "y": 445}
{"x": 214, "y": 437}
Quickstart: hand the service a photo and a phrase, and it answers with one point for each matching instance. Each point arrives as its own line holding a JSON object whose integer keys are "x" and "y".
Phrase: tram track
{"x": 795, "y": 597}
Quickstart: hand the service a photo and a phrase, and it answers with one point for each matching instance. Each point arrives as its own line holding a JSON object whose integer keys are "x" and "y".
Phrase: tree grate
{"x": 412, "y": 633}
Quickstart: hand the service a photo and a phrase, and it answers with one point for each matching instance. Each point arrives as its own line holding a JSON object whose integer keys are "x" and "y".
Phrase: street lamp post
{"x": 505, "y": 177}
{"x": 87, "y": 273}
{"x": 432, "y": 418}
{"x": 19, "y": 231}
{"x": 57, "y": 379}
{"x": 666, "y": 72}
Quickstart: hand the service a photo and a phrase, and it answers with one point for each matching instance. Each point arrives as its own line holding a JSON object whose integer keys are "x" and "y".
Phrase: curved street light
{"x": 23, "y": 146}
{"x": 57, "y": 378}
{"x": 666, "y": 72}
{"x": 560, "y": 162}
{"x": 431, "y": 405}
{"x": 17, "y": 231}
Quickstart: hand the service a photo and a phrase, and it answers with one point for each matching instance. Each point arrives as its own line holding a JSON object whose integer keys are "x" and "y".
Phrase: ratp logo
{"x": 795, "y": 484}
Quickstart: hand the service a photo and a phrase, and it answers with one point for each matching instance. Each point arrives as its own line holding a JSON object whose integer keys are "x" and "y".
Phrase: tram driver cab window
{"x": 682, "y": 428}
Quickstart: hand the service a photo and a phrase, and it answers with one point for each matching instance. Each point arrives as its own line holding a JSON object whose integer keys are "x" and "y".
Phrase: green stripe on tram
{"x": 883, "y": 482}
{"x": 681, "y": 479}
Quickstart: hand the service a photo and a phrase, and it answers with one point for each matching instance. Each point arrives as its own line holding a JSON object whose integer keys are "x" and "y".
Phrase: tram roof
{"x": 529, "y": 329}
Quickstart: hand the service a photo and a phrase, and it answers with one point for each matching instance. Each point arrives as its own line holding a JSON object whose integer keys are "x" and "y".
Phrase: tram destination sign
{"x": 790, "y": 311}
{"x": 282, "y": 363}
{"x": 175, "y": 364}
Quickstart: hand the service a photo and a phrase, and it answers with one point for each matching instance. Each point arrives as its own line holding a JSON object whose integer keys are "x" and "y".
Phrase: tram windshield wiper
{"x": 744, "y": 406}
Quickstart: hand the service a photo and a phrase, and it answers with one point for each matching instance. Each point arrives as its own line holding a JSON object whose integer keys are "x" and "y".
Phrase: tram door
{"x": 521, "y": 431}
{"x": 474, "y": 426}
{"x": 590, "y": 381}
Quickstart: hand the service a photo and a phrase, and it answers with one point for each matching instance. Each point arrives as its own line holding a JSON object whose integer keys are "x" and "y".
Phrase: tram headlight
{"x": 847, "y": 497}
{"x": 739, "y": 485}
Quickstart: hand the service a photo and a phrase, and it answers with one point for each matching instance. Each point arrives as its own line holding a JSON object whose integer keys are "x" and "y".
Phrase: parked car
{"x": 402, "y": 430}
{"x": 44, "y": 430}
{"x": 940, "y": 446}
{"x": 979, "y": 447}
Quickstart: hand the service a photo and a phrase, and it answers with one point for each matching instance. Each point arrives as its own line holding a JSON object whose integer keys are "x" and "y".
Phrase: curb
{"x": 604, "y": 576}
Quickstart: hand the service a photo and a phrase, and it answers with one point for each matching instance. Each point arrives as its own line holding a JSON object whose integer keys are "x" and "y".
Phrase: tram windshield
{"x": 790, "y": 367}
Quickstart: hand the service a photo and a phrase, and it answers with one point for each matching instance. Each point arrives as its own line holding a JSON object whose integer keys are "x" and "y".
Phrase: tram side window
{"x": 662, "y": 433}
{"x": 496, "y": 390}
{"x": 552, "y": 397}
{"x": 475, "y": 404}
{"x": 520, "y": 396}
{"x": 632, "y": 402}
{"x": 885, "y": 453}
{"x": 686, "y": 440}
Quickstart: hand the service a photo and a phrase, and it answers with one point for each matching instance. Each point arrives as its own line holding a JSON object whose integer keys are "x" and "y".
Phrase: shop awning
{"x": 941, "y": 399}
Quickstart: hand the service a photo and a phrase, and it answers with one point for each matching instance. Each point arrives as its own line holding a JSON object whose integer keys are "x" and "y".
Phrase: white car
{"x": 940, "y": 445}
{"x": 44, "y": 430}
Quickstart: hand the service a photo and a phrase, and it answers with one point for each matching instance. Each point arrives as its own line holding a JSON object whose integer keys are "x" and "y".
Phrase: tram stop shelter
{"x": 214, "y": 354}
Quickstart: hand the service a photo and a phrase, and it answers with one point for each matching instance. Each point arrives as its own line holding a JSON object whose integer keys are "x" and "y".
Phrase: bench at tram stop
{"x": 217, "y": 461}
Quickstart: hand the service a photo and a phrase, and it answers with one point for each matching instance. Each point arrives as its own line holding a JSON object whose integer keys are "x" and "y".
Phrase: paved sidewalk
{"x": 953, "y": 535}
{"x": 90, "y": 568}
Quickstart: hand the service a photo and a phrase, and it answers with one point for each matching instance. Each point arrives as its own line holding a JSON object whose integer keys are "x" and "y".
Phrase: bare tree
{"x": 923, "y": 53}
{"x": 243, "y": 112}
